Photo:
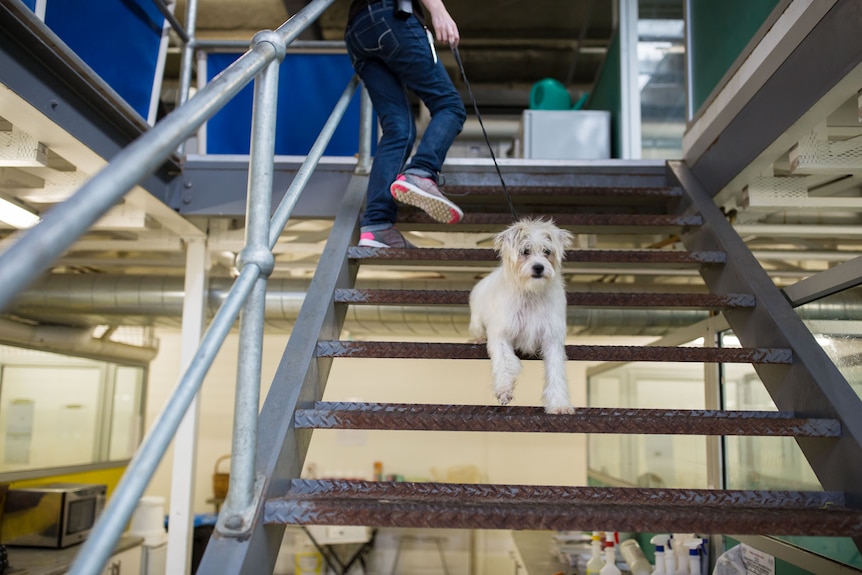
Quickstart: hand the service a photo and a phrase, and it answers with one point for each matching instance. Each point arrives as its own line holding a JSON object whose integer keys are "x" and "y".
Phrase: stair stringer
{"x": 300, "y": 380}
{"x": 811, "y": 386}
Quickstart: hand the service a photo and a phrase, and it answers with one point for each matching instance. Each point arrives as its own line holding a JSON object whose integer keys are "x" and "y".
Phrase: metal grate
{"x": 468, "y": 506}
{"x": 402, "y": 417}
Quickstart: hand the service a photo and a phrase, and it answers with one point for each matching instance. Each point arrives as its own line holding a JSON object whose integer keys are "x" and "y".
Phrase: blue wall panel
{"x": 31, "y": 4}
{"x": 309, "y": 86}
{"x": 118, "y": 39}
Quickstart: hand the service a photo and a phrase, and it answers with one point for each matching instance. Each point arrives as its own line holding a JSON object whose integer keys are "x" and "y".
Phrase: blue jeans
{"x": 392, "y": 56}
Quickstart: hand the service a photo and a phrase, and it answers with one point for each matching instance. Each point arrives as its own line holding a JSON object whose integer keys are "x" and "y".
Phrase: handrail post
{"x": 366, "y": 129}
{"x": 238, "y": 512}
{"x": 187, "y": 58}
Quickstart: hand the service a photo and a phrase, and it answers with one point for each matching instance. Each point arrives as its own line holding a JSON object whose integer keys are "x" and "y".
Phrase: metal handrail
{"x": 34, "y": 250}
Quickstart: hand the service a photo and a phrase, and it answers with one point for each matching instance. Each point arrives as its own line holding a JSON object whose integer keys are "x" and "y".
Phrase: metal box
{"x": 566, "y": 134}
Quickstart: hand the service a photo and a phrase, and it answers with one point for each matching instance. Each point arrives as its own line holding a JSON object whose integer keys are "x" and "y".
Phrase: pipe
{"x": 142, "y": 299}
{"x": 72, "y": 341}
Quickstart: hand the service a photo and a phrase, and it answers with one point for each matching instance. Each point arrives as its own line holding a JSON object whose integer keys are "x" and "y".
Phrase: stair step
{"x": 407, "y": 350}
{"x": 416, "y": 417}
{"x": 532, "y": 192}
{"x": 467, "y": 256}
{"x": 586, "y": 299}
{"x": 477, "y": 506}
{"x": 608, "y": 223}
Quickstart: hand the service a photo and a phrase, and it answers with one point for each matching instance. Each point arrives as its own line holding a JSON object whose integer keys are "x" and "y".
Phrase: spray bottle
{"x": 694, "y": 555}
{"x": 681, "y": 553}
{"x": 595, "y": 564}
{"x": 670, "y": 557}
{"x": 659, "y": 541}
{"x": 610, "y": 567}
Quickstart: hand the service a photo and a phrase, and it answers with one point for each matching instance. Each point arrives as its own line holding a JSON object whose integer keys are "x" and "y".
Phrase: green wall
{"x": 719, "y": 32}
{"x": 607, "y": 92}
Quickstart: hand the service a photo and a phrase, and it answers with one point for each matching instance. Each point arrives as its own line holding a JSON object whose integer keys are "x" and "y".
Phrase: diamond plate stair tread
{"x": 414, "y": 219}
{"x": 407, "y": 350}
{"x": 477, "y": 506}
{"x": 588, "y": 299}
{"x": 466, "y": 256}
{"x": 570, "y": 195}
{"x": 424, "y": 417}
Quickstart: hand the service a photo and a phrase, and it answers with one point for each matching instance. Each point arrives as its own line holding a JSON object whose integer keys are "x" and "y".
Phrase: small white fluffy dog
{"x": 521, "y": 306}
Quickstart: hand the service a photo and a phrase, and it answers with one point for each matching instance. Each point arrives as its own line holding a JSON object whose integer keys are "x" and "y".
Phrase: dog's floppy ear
{"x": 565, "y": 238}
{"x": 507, "y": 239}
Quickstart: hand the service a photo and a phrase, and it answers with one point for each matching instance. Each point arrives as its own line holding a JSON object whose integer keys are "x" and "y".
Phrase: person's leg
{"x": 414, "y": 64}
{"x": 370, "y": 42}
{"x": 398, "y": 133}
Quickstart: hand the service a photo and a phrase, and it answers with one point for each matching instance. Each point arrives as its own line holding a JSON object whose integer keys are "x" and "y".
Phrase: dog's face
{"x": 532, "y": 251}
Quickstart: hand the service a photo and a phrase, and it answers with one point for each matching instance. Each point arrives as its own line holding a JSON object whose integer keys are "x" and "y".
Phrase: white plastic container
{"x": 148, "y": 521}
{"x": 610, "y": 567}
{"x": 595, "y": 564}
{"x": 634, "y": 557}
{"x": 660, "y": 541}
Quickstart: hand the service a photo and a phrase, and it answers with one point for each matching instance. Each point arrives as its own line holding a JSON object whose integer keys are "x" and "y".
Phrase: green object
{"x": 549, "y": 94}
{"x": 719, "y": 32}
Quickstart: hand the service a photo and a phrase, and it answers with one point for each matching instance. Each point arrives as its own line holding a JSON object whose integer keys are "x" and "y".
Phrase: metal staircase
{"x": 816, "y": 405}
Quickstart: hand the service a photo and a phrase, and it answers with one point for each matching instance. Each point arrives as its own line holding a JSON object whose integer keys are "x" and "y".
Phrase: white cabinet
{"x": 126, "y": 562}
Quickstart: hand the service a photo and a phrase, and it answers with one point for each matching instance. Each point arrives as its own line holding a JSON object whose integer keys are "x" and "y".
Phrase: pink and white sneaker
{"x": 425, "y": 195}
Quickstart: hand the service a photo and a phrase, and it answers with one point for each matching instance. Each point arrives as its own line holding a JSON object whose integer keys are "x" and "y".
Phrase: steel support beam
{"x": 811, "y": 385}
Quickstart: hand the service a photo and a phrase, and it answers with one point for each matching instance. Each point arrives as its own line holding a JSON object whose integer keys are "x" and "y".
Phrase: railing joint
{"x": 261, "y": 256}
{"x": 270, "y": 37}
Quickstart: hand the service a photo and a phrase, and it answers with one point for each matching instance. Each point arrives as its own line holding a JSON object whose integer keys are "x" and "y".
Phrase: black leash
{"x": 484, "y": 132}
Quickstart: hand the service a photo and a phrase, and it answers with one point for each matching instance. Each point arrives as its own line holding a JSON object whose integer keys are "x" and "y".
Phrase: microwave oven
{"x": 54, "y": 515}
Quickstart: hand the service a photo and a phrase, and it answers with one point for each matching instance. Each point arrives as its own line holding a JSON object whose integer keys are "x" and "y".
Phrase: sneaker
{"x": 388, "y": 238}
{"x": 425, "y": 195}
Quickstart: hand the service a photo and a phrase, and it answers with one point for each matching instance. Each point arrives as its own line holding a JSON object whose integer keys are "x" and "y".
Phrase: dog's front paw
{"x": 477, "y": 340}
{"x": 559, "y": 409}
{"x": 504, "y": 397}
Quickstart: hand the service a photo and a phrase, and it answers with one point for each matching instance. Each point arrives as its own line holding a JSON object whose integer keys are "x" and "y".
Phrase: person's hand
{"x": 445, "y": 29}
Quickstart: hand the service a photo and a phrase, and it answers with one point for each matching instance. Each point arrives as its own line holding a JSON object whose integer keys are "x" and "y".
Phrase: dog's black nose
{"x": 538, "y": 269}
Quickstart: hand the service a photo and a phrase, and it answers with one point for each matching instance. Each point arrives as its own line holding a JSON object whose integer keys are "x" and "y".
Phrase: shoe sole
{"x": 440, "y": 209}
{"x": 371, "y": 244}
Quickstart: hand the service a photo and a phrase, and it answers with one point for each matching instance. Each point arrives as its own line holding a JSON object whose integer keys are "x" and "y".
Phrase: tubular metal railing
{"x": 36, "y": 249}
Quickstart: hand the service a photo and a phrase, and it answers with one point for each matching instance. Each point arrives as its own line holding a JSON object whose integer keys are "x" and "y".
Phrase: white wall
{"x": 541, "y": 459}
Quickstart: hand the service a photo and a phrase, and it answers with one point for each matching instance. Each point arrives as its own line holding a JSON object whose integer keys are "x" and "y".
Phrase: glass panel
{"x": 661, "y": 71}
{"x": 759, "y": 462}
{"x": 56, "y": 411}
{"x": 836, "y": 323}
{"x": 51, "y": 416}
{"x": 126, "y": 418}
{"x": 777, "y": 462}
{"x": 649, "y": 460}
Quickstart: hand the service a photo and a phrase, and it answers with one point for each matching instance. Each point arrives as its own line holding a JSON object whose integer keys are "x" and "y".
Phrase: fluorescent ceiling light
{"x": 16, "y": 216}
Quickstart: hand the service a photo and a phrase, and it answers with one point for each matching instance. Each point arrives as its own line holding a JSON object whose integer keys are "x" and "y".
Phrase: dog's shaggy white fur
{"x": 521, "y": 306}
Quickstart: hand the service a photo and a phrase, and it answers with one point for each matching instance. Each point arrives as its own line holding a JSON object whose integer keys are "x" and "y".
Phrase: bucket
{"x": 549, "y": 94}
{"x": 148, "y": 521}
{"x": 221, "y": 480}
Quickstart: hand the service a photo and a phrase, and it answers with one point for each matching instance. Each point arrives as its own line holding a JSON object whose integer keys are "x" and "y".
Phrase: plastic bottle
{"x": 680, "y": 552}
{"x": 595, "y": 564}
{"x": 694, "y": 555}
{"x": 610, "y": 567}
{"x": 633, "y": 555}
{"x": 670, "y": 557}
{"x": 659, "y": 541}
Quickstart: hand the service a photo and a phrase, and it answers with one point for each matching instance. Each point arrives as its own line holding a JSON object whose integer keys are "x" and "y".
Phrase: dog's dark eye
{"x": 525, "y": 252}
{"x": 547, "y": 252}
